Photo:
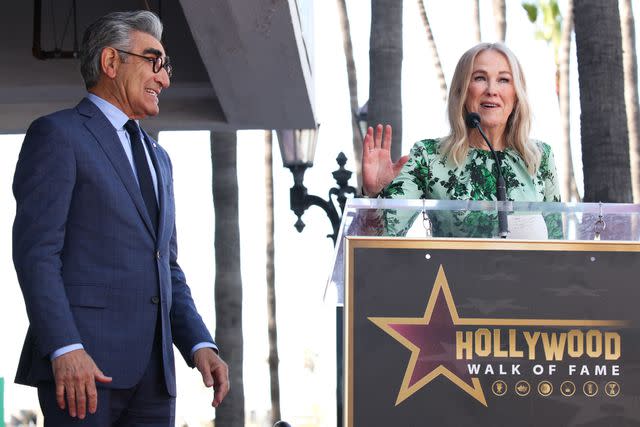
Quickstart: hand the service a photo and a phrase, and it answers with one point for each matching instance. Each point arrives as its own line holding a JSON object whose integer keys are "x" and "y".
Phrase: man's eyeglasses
{"x": 158, "y": 63}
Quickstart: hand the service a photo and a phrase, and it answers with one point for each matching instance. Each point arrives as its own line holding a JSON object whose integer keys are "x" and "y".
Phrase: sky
{"x": 305, "y": 320}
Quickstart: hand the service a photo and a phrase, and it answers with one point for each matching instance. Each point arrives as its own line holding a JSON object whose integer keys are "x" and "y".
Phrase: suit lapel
{"x": 107, "y": 137}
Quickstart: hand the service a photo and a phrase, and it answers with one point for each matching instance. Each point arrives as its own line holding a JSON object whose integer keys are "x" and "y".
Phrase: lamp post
{"x": 298, "y": 147}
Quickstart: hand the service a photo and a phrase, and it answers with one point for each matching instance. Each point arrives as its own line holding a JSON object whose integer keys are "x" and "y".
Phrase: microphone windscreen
{"x": 472, "y": 120}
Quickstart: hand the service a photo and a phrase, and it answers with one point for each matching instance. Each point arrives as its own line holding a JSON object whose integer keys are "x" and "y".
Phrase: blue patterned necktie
{"x": 144, "y": 174}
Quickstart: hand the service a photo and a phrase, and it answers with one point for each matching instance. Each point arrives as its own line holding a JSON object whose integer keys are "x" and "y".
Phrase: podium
{"x": 446, "y": 325}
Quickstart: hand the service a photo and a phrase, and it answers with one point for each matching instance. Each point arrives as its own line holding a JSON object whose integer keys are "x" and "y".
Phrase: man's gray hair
{"x": 113, "y": 30}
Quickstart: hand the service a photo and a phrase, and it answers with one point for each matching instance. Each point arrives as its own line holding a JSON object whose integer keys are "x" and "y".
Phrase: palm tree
{"x": 434, "y": 50}
{"x": 499, "y": 13}
{"x": 353, "y": 88}
{"x": 475, "y": 25}
{"x": 631, "y": 92}
{"x": 385, "y": 68}
{"x": 570, "y": 188}
{"x": 605, "y": 141}
{"x": 272, "y": 329}
{"x": 556, "y": 30}
{"x": 228, "y": 282}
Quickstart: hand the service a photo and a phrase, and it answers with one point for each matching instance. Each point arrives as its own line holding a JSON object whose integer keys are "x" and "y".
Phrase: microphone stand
{"x": 501, "y": 187}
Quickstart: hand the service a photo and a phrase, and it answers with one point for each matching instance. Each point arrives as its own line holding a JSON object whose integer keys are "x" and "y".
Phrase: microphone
{"x": 472, "y": 121}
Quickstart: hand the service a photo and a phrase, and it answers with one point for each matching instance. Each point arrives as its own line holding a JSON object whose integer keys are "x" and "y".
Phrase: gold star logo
{"x": 417, "y": 333}
{"x": 431, "y": 340}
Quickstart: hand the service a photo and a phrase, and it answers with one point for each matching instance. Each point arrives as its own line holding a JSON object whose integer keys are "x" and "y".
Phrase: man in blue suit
{"x": 94, "y": 245}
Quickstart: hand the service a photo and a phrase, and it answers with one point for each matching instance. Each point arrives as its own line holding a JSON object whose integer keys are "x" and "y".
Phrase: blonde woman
{"x": 488, "y": 80}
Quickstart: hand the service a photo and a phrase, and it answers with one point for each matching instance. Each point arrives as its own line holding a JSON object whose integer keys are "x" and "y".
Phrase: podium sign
{"x": 470, "y": 332}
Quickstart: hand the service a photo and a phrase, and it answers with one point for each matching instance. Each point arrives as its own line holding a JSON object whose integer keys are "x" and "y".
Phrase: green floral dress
{"x": 429, "y": 175}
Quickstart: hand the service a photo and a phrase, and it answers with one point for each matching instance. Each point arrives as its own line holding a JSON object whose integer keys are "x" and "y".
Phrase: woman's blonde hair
{"x": 456, "y": 144}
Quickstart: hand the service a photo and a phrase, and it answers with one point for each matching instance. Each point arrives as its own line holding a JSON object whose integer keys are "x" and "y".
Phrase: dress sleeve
{"x": 549, "y": 175}
{"x": 409, "y": 184}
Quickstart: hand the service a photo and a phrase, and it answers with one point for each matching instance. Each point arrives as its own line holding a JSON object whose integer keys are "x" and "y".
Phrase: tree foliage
{"x": 549, "y": 26}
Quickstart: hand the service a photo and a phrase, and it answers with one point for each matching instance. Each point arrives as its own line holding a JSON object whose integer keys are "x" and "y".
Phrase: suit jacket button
{"x": 157, "y": 254}
{"x": 155, "y": 299}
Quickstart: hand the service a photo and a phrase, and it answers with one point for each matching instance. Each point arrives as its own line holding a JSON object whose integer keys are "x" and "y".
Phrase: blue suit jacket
{"x": 91, "y": 268}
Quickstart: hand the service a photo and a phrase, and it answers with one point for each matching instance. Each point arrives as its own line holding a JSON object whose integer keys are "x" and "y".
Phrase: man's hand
{"x": 215, "y": 373}
{"x": 76, "y": 374}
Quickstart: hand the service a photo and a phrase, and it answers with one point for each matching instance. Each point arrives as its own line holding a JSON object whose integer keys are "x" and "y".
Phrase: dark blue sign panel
{"x": 492, "y": 333}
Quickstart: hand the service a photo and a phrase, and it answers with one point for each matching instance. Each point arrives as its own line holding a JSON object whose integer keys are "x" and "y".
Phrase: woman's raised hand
{"x": 377, "y": 168}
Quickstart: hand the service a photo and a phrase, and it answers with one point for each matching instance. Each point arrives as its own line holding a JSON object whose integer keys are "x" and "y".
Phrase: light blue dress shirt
{"x": 118, "y": 119}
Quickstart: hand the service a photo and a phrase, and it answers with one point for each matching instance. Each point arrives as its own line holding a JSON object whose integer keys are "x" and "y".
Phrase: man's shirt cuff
{"x": 66, "y": 349}
{"x": 203, "y": 345}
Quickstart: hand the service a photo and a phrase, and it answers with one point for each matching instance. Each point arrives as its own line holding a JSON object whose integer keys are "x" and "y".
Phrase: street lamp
{"x": 298, "y": 147}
